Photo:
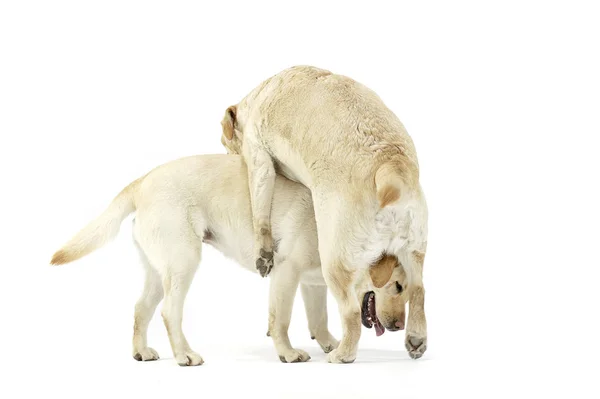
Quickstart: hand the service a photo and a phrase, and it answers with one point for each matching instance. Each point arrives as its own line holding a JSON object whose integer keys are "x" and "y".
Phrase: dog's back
{"x": 337, "y": 137}
{"x": 210, "y": 193}
{"x": 342, "y": 122}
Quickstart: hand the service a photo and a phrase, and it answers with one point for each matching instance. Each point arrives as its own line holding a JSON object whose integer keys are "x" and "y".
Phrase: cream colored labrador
{"x": 205, "y": 198}
{"x": 337, "y": 137}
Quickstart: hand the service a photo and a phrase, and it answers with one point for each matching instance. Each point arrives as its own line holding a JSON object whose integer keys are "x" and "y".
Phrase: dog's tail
{"x": 101, "y": 230}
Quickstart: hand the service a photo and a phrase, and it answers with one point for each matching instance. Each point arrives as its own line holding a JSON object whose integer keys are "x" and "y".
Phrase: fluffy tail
{"x": 101, "y": 230}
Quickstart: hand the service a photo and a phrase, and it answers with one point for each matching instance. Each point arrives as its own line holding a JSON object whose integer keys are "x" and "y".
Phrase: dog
{"x": 205, "y": 199}
{"x": 336, "y": 137}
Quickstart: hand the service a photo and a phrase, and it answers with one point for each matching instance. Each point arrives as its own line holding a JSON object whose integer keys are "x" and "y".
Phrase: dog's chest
{"x": 391, "y": 228}
{"x": 396, "y": 230}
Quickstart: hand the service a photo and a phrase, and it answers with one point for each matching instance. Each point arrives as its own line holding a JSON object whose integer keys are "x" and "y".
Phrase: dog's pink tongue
{"x": 379, "y": 330}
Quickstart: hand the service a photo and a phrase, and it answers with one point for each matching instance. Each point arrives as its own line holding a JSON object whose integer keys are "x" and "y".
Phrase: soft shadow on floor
{"x": 365, "y": 355}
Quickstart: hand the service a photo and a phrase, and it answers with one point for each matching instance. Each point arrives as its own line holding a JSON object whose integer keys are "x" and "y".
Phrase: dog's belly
{"x": 239, "y": 253}
{"x": 308, "y": 277}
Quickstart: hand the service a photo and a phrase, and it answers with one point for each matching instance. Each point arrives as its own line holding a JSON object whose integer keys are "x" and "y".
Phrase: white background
{"x": 501, "y": 99}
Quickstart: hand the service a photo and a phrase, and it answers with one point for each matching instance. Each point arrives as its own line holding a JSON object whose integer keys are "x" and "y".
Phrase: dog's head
{"x": 383, "y": 306}
{"x": 231, "y": 137}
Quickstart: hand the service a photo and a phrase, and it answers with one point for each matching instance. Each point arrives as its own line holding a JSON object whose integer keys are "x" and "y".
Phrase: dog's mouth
{"x": 369, "y": 314}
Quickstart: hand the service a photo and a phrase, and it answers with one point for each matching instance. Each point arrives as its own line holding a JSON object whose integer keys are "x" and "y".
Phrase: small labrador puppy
{"x": 205, "y": 198}
{"x": 337, "y": 137}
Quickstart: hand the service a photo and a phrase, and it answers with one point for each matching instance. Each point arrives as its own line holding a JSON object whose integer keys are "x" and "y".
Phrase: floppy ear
{"x": 388, "y": 182}
{"x": 381, "y": 271}
{"x": 229, "y": 121}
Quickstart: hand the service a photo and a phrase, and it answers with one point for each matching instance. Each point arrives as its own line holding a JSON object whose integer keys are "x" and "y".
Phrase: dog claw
{"x": 266, "y": 254}
{"x": 328, "y": 343}
{"x": 335, "y": 356}
{"x": 295, "y": 356}
{"x": 415, "y": 346}
{"x": 264, "y": 263}
{"x": 146, "y": 355}
{"x": 190, "y": 359}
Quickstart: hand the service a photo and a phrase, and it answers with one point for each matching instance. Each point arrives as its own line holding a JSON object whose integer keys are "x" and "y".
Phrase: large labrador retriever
{"x": 336, "y": 137}
{"x": 204, "y": 198}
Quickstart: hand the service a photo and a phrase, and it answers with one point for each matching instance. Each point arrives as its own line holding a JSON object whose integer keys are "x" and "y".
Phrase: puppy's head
{"x": 384, "y": 305}
{"x": 231, "y": 138}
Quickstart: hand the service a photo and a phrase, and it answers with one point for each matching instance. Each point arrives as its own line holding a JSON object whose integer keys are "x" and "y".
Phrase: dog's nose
{"x": 399, "y": 324}
{"x": 395, "y": 325}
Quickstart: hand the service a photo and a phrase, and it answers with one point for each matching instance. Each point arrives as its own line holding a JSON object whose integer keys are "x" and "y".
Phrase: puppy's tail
{"x": 101, "y": 230}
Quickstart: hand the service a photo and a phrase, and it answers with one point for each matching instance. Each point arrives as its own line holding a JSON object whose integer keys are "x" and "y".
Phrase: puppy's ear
{"x": 381, "y": 271}
{"x": 228, "y": 122}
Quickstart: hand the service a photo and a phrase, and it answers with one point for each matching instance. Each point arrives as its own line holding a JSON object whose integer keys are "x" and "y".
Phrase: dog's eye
{"x": 399, "y": 287}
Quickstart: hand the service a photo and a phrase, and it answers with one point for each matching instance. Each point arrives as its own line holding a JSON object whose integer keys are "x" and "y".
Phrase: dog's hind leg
{"x": 174, "y": 250}
{"x": 151, "y": 295}
{"x": 176, "y": 284}
{"x": 315, "y": 304}
{"x": 284, "y": 284}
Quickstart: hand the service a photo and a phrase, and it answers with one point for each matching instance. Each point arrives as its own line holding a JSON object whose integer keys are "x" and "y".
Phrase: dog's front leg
{"x": 339, "y": 280}
{"x": 416, "y": 330}
{"x": 284, "y": 284}
{"x": 176, "y": 286}
{"x": 261, "y": 176}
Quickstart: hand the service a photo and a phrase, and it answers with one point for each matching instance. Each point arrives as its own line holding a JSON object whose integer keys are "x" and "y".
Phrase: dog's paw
{"x": 415, "y": 345}
{"x": 294, "y": 356}
{"x": 337, "y": 356}
{"x": 264, "y": 262}
{"x": 145, "y": 355}
{"x": 327, "y": 342}
{"x": 189, "y": 358}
